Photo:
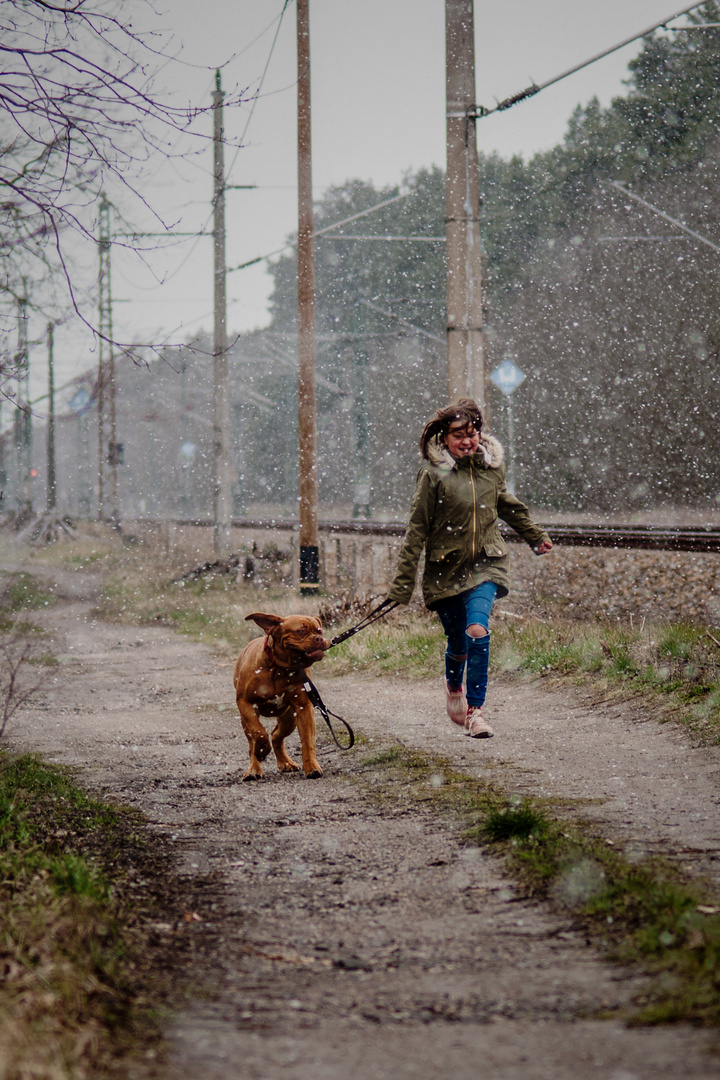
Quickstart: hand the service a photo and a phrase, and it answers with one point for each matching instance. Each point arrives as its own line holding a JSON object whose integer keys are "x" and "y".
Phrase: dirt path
{"x": 349, "y": 938}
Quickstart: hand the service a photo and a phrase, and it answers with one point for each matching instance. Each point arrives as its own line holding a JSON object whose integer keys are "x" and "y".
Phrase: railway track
{"x": 648, "y": 537}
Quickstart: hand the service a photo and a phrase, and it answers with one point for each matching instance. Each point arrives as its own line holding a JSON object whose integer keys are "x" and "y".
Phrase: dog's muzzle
{"x": 313, "y": 655}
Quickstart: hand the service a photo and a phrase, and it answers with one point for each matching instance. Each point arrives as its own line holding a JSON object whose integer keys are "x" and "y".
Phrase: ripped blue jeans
{"x": 456, "y": 614}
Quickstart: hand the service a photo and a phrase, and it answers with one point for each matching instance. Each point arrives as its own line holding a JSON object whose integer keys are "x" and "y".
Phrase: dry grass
{"x": 676, "y": 666}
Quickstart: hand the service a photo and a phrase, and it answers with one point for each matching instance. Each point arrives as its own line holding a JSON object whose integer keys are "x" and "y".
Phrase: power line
{"x": 662, "y": 214}
{"x": 321, "y": 232}
{"x": 640, "y": 239}
{"x": 244, "y": 132}
{"x": 392, "y": 239}
{"x": 262, "y": 32}
{"x": 403, "y": 322}
{"x": 260, "y": 86}
{"x": 480, "y": 111}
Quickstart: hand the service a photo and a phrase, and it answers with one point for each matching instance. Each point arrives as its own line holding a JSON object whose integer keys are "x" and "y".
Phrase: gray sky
{"x": 378, "y": 111}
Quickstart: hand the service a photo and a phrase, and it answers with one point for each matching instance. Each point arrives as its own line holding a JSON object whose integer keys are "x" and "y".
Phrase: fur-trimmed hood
{"x": 490, "y": 448}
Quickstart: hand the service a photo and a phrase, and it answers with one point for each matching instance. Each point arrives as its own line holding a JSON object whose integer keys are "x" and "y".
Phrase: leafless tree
{"x": 79, "y": 111}
{"x": 16, "y": 653}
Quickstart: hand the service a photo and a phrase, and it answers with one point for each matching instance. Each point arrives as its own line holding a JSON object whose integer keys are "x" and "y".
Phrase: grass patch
{"x": 407, "y": 644}
{"x": 211, "y": 610}
{"x": 641, "y": 914}
{"x": 23, "y": 592}
{"x": 511, "y": 822}
{"x": 80, "y": 986}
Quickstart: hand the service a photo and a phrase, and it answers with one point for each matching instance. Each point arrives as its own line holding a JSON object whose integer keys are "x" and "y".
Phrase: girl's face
{"x": 462, "y": 439}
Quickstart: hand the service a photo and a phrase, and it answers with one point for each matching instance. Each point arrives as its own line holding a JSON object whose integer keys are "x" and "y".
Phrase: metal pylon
{"x": 108, "y": 509}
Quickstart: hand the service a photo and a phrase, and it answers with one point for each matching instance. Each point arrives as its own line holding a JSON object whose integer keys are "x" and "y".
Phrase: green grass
{"x": 511, "y": 822}
{"x": 77, "y": 963}
{"x": 21, "y": 594}
{"x": 642, "y": 914}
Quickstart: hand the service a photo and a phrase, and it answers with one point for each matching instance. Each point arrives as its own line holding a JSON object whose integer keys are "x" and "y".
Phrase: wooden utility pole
{"x": 465, "y": 333}
{"x": 222, "y": 494}
{"x": 307, "y": 420}
{"x": 51, "y": 498}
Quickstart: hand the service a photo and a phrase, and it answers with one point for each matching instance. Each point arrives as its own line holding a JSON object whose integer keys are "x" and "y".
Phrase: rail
{"x": 650, "y": 537}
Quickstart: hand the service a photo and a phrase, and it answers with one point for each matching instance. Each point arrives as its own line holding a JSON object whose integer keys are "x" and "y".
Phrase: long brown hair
{"x": 465, "y": 409}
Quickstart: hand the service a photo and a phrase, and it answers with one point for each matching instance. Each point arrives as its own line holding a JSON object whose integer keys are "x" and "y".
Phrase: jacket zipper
{"x": 474, "y": 528}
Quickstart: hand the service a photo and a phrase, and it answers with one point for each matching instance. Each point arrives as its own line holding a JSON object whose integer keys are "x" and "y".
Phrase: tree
{"x": 672, "y": 111}
{"x": 78, "y": 113}
{"x": 620, "y": 342}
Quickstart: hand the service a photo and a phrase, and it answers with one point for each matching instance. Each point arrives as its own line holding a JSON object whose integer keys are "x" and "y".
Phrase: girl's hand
{"x": 542, "y": 549}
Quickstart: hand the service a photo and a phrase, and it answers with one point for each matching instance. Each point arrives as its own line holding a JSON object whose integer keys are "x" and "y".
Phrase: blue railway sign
{"x": 508, "y": 376}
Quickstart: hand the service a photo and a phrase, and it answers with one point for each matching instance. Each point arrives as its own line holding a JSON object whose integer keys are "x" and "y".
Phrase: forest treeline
{"x": 609, "y": 309}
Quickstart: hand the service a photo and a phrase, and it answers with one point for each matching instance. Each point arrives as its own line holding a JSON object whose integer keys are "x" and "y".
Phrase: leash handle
{"x": 379, "y": 612}
{"x": 314, "y": 694}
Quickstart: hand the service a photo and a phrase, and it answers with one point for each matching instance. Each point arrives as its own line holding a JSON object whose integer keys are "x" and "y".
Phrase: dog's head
{"x": 296, "y": 640}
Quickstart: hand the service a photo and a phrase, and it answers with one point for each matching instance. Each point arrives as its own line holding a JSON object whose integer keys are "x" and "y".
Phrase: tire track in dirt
{"x": 343, "y": 936}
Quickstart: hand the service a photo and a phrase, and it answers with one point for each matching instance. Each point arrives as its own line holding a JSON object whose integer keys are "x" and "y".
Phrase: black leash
{"x": 313, "y": 693}
{"x": 377, "y": 613}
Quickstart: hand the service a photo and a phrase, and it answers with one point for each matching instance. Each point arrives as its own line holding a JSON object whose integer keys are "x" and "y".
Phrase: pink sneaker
{"x": 456, "y": 704}
{"x": 476, "y": 726}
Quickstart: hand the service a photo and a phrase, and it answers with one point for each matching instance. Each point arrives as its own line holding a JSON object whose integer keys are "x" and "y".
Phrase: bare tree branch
{"x": 79, "y": 111}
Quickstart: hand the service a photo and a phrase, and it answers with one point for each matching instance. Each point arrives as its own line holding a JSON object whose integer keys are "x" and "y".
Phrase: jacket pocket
{"x": 445, "y": 552}
{"x": 493, "y": 544}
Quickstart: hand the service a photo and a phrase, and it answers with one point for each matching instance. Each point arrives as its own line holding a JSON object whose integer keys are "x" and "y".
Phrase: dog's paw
{"x": 315, "y": 774}
{"x": 250, "y": 775}
{"x": 261, "y": 747}
{"x": 288, "y": 766}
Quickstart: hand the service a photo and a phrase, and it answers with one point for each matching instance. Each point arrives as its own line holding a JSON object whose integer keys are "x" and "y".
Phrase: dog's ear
{"x": 265, "y": 622}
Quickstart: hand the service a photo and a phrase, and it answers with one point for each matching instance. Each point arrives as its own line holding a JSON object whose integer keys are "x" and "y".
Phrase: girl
{"x": 454, "y": 514}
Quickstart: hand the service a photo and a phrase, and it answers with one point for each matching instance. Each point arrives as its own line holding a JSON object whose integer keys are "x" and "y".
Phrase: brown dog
{"x": 268, "y": 682}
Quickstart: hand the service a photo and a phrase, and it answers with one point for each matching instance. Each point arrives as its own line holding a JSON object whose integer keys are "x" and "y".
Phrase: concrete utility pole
{"x": 361, "y": 435}
{"x": 23, "y": 419}
{"x": 222, "y": 488}
{"x": 307, "y": 420}
{"x": 465, "y": 334}
{"x": 108, "y": 450}
{"x": 51, "y": 498}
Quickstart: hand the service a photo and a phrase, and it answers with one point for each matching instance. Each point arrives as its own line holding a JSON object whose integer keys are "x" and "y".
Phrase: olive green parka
{"x": 454, "y": 517}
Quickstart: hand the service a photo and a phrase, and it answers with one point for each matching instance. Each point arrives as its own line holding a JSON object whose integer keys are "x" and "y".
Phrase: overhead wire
{"x": 242, "y": 137}
{"x": 261, "y": 34}
{"x": 479, "y": 111}
{"x": 260, "y": 86}
{"x": 321, "y": 232}
{"x": 664, "y": 216}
